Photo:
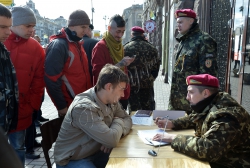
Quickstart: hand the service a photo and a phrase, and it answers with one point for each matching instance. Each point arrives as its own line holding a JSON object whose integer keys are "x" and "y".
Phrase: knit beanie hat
{"x": 22, "y": 16}
{"x": 78, "y": 17}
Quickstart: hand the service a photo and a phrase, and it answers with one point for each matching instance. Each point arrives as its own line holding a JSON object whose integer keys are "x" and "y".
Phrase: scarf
{"x": 72, "y": 35}
{"x": 115, "y": 47}
{"x": 200, "y": 109}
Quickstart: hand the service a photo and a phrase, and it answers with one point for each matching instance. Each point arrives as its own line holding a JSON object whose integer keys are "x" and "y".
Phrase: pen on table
{"x": 149, "y": 141}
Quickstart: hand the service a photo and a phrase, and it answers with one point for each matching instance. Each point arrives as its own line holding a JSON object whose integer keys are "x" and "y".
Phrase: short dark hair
{"x": 211, "y": 89}
{"x": 4, "y": 11}
{"x": 137, "y": 34}
{"x": 118, "y": 20}
{"x": 110, "y": 74}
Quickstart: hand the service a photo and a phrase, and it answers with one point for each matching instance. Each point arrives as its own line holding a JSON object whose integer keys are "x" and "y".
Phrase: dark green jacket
{"x": 145, "y": 67}
{"x": 196, "y": 54}
{"x": 222, "y": 134}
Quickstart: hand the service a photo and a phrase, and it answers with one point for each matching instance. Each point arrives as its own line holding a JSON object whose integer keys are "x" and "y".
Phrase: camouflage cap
{"x": 203, "y": 80}
{"x": 185, "y": 13}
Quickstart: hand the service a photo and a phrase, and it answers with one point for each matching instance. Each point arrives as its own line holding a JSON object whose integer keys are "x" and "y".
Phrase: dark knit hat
{"x": 78, "y": 17}
{"x": 22, "y": 16}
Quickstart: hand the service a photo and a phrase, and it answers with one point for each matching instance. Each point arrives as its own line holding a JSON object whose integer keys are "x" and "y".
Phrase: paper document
{"x": 142, "y": 120}
{"x": 147, "y": 135}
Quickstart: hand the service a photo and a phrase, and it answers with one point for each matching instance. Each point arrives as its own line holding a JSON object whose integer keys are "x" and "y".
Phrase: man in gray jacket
{"x": 94, "y": 123}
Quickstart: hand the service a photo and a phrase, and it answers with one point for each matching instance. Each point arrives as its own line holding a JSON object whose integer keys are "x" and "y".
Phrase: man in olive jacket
{"x": 196, "y": 54}
{"x": 94, "y": 123}
{"x": 222, "y": 126}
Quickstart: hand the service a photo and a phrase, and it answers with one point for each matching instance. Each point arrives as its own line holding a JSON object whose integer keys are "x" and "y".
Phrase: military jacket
{"x": 8, "y": 92}
{"x": 222, "y": 134}
{"x": 144, "y": 69}
{"x": 195, "y": 54}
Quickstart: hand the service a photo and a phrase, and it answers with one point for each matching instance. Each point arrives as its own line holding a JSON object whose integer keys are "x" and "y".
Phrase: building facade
{"x": 46, "y": 27}
{"x": 132, "y": 17}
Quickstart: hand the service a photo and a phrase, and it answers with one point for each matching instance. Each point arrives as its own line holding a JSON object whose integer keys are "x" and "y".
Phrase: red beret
{"x": 137, "y": 29}
{"x": 203, "y": 80}
{"x": 185, "y": 13}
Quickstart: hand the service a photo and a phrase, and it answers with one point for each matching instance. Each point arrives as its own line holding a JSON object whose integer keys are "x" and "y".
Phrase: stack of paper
{"x": 147, "y": 135}
{"x": 142, "y": 120}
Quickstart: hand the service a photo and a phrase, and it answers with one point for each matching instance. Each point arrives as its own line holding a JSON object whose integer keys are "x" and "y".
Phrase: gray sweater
{"x": 87, "y": 126}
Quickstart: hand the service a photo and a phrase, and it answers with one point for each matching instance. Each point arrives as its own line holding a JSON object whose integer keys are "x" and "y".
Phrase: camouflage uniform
{"x": 8, "y": 92}
{"x": 196, "y": 54}
{"x": 142, "y": 72}
{"x": 222, "y": 134}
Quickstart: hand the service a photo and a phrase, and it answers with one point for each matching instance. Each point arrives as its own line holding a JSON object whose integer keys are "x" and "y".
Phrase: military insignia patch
{"x": 192, "y": 82}
{"x": 180, "y": 14}
{"x": 208, "y": 63}
{"x": 209, "y": 55}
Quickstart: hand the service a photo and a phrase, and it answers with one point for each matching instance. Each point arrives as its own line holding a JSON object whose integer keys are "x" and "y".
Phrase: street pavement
{"x": 49, "y": 111}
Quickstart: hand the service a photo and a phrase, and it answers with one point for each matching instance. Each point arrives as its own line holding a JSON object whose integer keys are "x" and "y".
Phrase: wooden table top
{"x": 133, "y": 152}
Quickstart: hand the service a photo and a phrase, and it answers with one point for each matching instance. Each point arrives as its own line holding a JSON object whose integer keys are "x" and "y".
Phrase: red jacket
{"x": 101, "y": 57}
{"x": 66, "y": 70}
{"x": 27, "y": 56}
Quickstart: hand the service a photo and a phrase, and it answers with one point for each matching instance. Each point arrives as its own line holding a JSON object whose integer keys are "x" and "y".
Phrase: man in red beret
{"x": 221, "y": 125}
{"x": 142, "y": 75}
{"x": 195, "y": 53}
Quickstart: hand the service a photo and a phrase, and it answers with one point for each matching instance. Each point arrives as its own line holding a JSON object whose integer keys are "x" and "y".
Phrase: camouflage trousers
{"x": 143, "y": 100}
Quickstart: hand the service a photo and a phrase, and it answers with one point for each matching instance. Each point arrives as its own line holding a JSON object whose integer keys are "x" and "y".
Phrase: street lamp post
{"x": 92, "y": 10}
{"x": 105, "y": 18}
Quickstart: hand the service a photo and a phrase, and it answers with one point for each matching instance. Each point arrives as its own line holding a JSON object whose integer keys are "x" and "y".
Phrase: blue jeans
{"x": 98, "y": 160}
{"x": 17, "y": 141}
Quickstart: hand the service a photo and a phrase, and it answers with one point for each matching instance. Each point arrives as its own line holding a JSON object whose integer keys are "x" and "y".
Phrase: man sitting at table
{"x": 94, "y": 123}
{"x": 222, "y": 135}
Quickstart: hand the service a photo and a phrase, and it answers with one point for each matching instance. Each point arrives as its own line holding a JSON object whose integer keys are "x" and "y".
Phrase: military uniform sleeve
{"x": 127, "y": 51}
{"x": 183, "y": 123}
{"x": 156, "y": 66}
{"x": 208, "y": 55}
{"x": 211, "y": 146}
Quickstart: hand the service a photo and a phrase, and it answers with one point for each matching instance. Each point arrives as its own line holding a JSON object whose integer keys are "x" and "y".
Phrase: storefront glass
{"x": 236, "y": 45}
{"x": 246, "y": 59}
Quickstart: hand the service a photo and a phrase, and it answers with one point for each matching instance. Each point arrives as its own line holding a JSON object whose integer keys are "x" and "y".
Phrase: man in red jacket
{"x": 27, "y": 57}
{"x": 66, "y": 63}
{"x": 110, "y": 50}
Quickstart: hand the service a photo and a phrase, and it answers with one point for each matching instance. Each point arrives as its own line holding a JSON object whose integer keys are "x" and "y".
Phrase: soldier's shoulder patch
{"x": 208, "y": 63}
{"x": 209, "y": 55}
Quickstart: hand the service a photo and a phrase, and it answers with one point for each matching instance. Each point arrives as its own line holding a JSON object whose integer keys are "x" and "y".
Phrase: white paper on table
{"x": 142, "y": 120}
{"x": 147, "y": 135}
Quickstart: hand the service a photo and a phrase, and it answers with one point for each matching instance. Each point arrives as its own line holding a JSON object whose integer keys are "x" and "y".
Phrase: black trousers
{"x": 31, "y": 134}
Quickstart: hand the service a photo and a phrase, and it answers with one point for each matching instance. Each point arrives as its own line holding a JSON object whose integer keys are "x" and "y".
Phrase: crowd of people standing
{"x": 91, "y": 84}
